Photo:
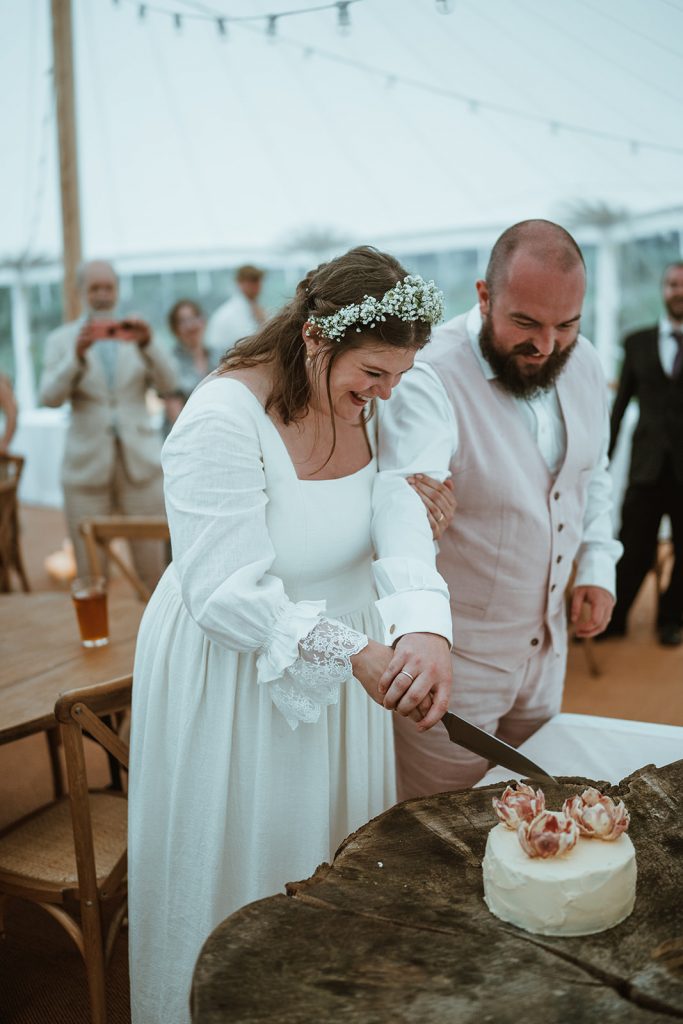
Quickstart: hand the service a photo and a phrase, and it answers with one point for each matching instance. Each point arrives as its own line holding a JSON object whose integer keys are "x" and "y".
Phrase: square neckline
{"x": 302, "y": 480}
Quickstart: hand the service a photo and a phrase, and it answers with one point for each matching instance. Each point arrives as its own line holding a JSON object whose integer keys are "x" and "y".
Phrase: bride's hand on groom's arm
{"x": 438, "y": 500}
{"x": 417, "y": 681}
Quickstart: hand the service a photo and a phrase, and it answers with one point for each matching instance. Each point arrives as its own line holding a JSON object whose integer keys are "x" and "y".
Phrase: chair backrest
{"x": 98, "y": 532}
{"x": 78, "y": 712}
{"x": 11, "y": 467}
{"x": 8, "y": 530}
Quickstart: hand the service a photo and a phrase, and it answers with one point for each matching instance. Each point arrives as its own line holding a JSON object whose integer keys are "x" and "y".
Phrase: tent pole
{"x": 62, "y": 47}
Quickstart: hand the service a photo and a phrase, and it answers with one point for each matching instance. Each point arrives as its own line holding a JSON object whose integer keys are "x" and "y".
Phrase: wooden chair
{"x": 11, "y": 467}
{"x": 594, "y": 668}
{"x": 99, "y": 531}
{"x": 69, "y": 857}
{"x": 587, "y": 643}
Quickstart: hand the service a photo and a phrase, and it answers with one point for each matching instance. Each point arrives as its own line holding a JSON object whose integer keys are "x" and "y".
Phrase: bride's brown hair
{"x": 343, "y": 281}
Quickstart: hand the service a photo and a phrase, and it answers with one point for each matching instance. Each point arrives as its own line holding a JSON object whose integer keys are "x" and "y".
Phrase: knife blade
{"x": 478, "y": 741}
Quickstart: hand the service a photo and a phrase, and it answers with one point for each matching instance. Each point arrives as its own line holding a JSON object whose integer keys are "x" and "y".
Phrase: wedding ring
{"x": 439, "y": 517}
{"x": 404, "y": 673}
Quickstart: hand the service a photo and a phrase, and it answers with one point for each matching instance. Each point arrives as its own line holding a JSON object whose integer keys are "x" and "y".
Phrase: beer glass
{"x": 89, "y": 595}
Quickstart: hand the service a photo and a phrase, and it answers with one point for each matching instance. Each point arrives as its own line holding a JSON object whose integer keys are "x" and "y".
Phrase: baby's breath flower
{"x": 411, "y": 299}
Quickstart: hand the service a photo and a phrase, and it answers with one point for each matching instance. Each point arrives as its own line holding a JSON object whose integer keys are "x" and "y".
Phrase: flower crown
{"x": 411, "y": 299}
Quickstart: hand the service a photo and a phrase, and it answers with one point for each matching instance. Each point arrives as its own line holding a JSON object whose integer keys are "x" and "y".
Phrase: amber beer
{"x": 89, "y": 595}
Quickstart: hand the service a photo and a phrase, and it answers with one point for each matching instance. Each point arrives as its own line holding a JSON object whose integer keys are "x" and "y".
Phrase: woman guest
{"x": 259, "y": 737}
{"x": 188, "y": 326}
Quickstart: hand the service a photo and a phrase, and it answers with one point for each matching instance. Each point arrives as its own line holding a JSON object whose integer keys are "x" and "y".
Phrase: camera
{"x": 108, "y": 329}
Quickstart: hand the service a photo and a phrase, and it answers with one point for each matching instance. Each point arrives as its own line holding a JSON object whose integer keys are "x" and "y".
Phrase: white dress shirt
{"x": 667, "y": 344}
{"x": 419, "y": 434}
{"x": 233, "y": 320}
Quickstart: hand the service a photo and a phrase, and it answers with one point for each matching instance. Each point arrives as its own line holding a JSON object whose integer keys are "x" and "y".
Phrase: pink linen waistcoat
{"x": 507, "y": 556}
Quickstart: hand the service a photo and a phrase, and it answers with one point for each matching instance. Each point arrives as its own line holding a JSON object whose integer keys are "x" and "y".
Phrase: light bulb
{"x": 343, "y": 18}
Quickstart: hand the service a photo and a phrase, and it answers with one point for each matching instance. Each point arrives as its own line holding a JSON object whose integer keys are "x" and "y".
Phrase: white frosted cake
{"x": 559, "y": 873}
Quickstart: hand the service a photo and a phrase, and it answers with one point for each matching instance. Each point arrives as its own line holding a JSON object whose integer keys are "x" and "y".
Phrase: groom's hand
{"x": 419, "y": 672}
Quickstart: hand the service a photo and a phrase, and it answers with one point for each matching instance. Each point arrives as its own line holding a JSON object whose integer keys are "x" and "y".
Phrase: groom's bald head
{"x": 541, "y": 240}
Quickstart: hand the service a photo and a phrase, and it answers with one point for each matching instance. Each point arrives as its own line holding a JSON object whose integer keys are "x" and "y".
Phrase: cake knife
{"x": 483, "y": 743}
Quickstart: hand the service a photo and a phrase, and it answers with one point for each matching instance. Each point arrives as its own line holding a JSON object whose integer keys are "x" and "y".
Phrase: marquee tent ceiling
{"x": 414, "y": 121}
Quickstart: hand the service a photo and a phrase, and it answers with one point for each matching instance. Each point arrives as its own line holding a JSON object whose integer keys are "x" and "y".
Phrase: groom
{"x": 511, "y": 401}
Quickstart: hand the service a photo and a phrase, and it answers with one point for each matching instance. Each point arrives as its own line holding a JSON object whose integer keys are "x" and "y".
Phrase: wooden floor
{"x": 42, "y": 977}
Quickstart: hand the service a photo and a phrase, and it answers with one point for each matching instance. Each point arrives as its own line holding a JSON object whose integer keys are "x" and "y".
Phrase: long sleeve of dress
{"x": 216, "y": 498}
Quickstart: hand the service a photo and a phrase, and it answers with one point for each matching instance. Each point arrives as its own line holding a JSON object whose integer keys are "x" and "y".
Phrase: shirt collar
{"x": 473, "y": 325}
{"x": 667, "y": 328}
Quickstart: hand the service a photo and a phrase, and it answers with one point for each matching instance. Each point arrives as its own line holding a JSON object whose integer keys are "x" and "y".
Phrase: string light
{"x": 343, "y": 18}
{"x": 473, "y": 103}
{"x": 204, "y": 13}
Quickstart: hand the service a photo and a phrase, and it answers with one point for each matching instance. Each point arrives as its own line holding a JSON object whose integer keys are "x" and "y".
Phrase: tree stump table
{"x": 395, "y": 930}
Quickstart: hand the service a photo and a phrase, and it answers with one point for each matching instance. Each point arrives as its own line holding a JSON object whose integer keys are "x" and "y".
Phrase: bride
{"x": 259, "y": 737}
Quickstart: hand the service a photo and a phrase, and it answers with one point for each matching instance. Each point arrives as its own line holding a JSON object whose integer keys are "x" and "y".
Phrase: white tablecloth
{"x": 596, "y": 748}
{"x": 40, "y": 439}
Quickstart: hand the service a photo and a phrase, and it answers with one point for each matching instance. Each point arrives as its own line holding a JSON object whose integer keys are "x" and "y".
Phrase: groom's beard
{"x": 523, "y": 380}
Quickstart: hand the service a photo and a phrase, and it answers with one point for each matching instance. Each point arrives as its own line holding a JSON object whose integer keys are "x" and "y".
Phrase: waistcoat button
{"x": 534, "y": 642}
{"x": 560, "y": 528}
{"x": 559, "y": 559}
{"x": 556, "y": 495}
{"x": 392, "y": 629}
{"x": 554, "y": 586}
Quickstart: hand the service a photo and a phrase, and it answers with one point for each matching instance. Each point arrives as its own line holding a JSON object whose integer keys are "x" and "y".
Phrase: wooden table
{"x": 395, "y": 931}
{"x": 41, "y": 656}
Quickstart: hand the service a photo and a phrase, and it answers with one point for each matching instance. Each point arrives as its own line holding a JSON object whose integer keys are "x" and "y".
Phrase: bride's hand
{"x": 437, "y": 498}
{"x": 369, "y": 665}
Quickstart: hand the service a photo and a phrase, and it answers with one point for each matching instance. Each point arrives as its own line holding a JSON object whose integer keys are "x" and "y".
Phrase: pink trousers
{"x": 511, "y": 705}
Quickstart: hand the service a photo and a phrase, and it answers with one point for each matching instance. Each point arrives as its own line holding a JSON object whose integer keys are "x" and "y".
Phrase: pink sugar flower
{"x": 549, "y": 834}
{"x": 597, "y": 816}
{"x": 518, "y": 805}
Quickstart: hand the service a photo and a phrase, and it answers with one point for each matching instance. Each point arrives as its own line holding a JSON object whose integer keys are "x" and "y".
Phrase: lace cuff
{"x": 313, "y": 680}
{"x": 296, "y": 622}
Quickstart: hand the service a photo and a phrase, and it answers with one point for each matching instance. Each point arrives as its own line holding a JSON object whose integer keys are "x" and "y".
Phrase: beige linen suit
{"x": 112, "y": 453}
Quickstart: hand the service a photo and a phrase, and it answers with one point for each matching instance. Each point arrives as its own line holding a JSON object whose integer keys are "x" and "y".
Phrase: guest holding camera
{"x": 103, "y": 365}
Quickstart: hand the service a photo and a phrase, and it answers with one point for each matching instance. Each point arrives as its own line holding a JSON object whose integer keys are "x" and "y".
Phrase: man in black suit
{"x": 653, "y": 373}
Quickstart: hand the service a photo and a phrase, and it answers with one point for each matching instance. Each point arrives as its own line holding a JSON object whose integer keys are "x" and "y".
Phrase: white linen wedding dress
{"x": 235, "y": 787}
